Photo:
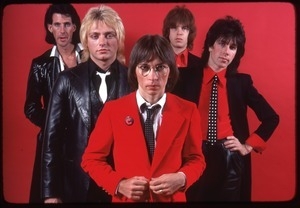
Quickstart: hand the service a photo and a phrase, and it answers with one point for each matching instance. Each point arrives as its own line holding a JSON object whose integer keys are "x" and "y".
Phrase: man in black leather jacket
{"x": 75, "y": 104}
{"x": 62, "y": 25}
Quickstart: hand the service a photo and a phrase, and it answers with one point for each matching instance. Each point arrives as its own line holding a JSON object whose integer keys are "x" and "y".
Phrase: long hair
{"x": 147, "y": 48}
{"x": 111, "y": 18}
{"x": 64, "y": 9}
{"x": 180, "y": 15}
{"x": 227, "y": 28}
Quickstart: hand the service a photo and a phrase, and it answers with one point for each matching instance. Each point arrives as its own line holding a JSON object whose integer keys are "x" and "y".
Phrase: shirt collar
{"x": 208, "y": 75}
{"x": 140, "y": 101}
{"x": 182, "y": 58}
{"x": 55, "y": 53}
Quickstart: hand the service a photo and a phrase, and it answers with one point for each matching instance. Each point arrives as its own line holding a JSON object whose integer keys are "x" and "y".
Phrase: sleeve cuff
{"x": 255, "y": 141}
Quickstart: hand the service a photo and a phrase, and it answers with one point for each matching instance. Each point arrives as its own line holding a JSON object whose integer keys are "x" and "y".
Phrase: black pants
{"x": 221, "y": 180}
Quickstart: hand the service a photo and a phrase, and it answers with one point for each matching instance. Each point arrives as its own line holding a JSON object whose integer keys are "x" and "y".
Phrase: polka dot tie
{"x": 212, "y": 114}
{"x": 148, "y": 128}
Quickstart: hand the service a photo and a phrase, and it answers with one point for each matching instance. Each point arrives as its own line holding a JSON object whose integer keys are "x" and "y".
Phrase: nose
{"x": 102, "y": 40}
{"x": 62, "y": 29}
{"x": 226, "y": 49}
{"x": 179, "y": 30}
{"x": 152, "y": 74}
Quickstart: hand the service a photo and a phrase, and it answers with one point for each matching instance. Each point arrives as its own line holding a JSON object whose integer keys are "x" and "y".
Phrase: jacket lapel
{"x": 172, "y": 121}
{"x": 81, "y": 95}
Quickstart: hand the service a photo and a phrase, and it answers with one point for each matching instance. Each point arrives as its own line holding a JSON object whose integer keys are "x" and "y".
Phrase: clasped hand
{"x": 137, "y": 188}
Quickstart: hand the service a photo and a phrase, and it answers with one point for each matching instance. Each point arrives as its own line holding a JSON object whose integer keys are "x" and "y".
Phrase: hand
{"x": 167, "y": 184}
{"x": 233, "y": 144}
{"x": 135, "y": 188}
{"x": 52, "y": 201}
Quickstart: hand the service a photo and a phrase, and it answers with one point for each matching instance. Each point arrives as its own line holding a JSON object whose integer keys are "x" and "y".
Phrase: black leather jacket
{"x": 73, "y": 109}
{"x": 43, "y": 71}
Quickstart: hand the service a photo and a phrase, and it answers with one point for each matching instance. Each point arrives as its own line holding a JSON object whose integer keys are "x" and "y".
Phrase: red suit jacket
{"x": 119, "y": 127}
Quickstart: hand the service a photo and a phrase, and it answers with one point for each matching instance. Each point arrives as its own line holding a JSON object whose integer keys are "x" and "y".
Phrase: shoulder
{"x": 193, "y": 57}
{"x": 122, "y": 68}
{"x": 43, "y": 57}
{"x": 124, "y": 100}
{"x": 121, "y": 104}
{"x": 180, "y": 102}
{"x": 239, "y": 76}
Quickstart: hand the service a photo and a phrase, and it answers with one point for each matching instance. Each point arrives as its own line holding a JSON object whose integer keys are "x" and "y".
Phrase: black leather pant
{"x": 221, "y": 180}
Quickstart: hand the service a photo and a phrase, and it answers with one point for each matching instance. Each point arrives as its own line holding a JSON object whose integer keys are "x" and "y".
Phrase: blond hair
{"x": 111, "y": 18}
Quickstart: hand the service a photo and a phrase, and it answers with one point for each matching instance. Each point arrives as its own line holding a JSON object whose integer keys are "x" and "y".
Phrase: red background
{"x": 270, "y": 54}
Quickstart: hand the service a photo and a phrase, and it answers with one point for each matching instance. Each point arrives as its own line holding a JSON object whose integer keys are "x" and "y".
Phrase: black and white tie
{"x": 213, "y": 112}
{"x": 148, "y": 128}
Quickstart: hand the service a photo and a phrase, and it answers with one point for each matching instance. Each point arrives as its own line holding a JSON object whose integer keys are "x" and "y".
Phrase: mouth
{"x": 63, "y": 38}
{"x": 102, "y": 50}
{"x": 223, "y": 59}
{"x": 152, "y": 86}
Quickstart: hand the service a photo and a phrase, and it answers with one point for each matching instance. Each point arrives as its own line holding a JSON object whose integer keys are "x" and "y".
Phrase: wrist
{"x": 248, "y": 148}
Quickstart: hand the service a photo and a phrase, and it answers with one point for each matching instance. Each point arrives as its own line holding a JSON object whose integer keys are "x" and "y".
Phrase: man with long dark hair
{"x": 223, "y": 97}
{"x": 62, "y": 25}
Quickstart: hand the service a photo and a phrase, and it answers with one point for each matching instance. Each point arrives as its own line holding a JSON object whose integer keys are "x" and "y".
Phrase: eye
{"x": 160, "y": 67}
{"x": 56, "y": 24}
{"x": 68, "y": 24}
{"x": 233, "y": 47}
{"x": 110, "y": 35}
{"x": 185, "y": 28}
{"x": 94, "y": 36}
{"x": 144, "y": 67}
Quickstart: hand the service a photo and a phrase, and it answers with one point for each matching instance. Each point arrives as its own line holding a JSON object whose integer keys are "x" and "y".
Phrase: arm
{"x": 267, "y": 116}
{"x": 265, "y": 113}
{"x": 193, "y": 158}
{"x": 33, "y": 108}
{"x": 95, "y": 157}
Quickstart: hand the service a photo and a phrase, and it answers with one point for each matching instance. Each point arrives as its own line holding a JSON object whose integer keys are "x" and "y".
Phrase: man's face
{"x": 62, "y": 29}
{"x": 102, "y": 42}
{"x": 221, "y": 54}
{"x": 179, "y": 37}
{"x": 152, "y": 78}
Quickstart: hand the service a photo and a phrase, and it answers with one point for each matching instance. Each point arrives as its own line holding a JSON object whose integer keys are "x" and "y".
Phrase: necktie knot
{"x": 150, "y": 111}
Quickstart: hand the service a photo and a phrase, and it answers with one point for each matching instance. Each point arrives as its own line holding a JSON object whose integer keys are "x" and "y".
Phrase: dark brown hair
{"x": 147, "y": 48}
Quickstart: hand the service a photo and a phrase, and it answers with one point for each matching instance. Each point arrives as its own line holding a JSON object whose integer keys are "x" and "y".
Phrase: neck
{"x": 67, "y": 50}
{"x": 152, "y": 99}
{"x": 103, "y": 64}
{"x": 215, "y": 68}
{"x": 178, "y": 50}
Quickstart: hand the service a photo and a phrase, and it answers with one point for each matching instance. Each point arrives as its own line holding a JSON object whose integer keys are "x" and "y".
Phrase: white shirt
{"x": 158, "y": 117}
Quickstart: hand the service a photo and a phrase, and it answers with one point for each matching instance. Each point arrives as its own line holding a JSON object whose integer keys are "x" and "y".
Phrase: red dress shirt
{"x": 182, "y": 58}
{"x": 224, "y": 128}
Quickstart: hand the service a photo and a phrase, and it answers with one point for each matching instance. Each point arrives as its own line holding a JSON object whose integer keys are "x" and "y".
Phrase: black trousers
{"x": 222, "y": 178}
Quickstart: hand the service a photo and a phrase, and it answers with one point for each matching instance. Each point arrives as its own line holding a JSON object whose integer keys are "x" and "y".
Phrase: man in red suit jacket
{"x": 177, "y": 161}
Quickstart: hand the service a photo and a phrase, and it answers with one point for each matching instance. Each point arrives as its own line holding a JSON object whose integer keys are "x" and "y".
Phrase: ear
{"x": 74, "y": 27}
{"x": 50, "y": 27}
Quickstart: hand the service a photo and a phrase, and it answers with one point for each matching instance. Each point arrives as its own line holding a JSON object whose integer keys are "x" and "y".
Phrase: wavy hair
{"x": 64, "y": 9}
{"x": 227, "y": 28}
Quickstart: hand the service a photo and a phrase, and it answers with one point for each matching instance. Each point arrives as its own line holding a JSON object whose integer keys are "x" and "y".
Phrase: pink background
{"x": 269, "y": 58}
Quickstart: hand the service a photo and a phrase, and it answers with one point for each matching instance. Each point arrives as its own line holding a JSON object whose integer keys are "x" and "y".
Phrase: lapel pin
{"x": 129, "y": 120}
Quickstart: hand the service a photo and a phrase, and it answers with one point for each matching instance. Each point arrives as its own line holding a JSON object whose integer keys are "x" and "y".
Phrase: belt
{"x": 218, "y": 142}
